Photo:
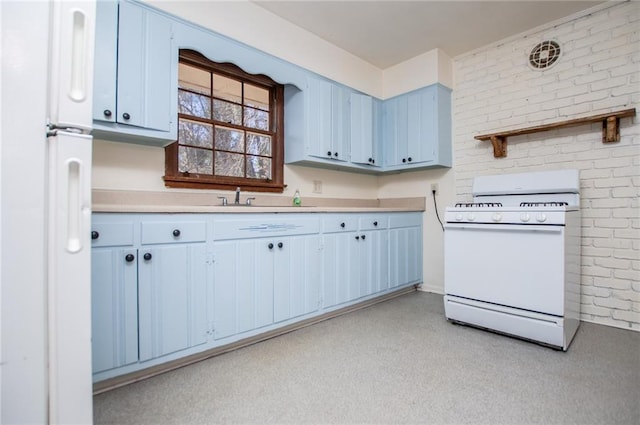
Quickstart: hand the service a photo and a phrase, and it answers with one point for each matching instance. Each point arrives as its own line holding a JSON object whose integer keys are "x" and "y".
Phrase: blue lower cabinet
{"x": 165, "y": 286}
{"x": 114, "y": 302}
{"x": 259, "y": 282}
{"x": 172, "y": 299}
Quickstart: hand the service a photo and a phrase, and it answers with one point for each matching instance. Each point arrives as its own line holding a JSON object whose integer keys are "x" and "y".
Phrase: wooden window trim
{"x": 175, "y": 179}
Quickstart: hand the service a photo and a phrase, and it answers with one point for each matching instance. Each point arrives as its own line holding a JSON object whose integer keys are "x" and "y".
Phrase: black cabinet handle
{"x": 270, "y": 246}
{"x": 280, "y": 244}
{"x": 335, "y": 154}
{"x": 126, "y": 116}
{"x": 129, "y": 258}
{"x": 410, "y": 159}
{"x": 107, "y": 113}
{"x": 342, "y": 225}
{"x": 147, "y": 256}
{"x": 375, "y": 223}
{"x": 363, "y": 237}
{"x": 176, "y": 232}
{"x": 95, "y": 235}
{"x": 404, "y": 159}
{"x": 357, "y": 238}
{"x": 328, "y": 153}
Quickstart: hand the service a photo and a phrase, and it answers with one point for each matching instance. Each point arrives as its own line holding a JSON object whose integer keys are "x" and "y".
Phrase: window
{"x": 230, "y": 128}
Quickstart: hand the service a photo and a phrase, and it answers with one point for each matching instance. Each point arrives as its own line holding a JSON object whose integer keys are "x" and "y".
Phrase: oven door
{"x": 519, "y": 266}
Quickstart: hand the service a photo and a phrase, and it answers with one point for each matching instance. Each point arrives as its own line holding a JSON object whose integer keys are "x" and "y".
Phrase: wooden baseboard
{"x": 120, "y": 381}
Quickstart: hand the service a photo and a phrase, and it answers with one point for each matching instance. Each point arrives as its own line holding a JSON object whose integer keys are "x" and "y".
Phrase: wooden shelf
{"x": 610, "y": 129}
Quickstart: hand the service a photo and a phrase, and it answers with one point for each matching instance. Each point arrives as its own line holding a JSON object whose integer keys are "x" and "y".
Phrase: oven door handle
{"x": 505, "y": 227}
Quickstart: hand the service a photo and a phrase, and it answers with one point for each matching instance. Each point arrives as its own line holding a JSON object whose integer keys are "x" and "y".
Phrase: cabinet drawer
{"x": 227, "y": 228}
{"x": 111, "y": 234}
{"x": 405, "y": 220}
{"x": 339, "y": 223}
{"x": 373, "y": 222}
{"x": 173, "y": 232}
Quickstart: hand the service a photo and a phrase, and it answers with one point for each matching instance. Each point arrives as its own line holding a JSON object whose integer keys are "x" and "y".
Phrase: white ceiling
{"x": 385, "y": 33}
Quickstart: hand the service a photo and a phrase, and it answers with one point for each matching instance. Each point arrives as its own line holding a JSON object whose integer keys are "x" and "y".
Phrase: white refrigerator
{"x": 47, "y": 83}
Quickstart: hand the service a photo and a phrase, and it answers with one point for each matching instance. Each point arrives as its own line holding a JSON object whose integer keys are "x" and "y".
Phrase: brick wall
{"x": 599, "y": 71}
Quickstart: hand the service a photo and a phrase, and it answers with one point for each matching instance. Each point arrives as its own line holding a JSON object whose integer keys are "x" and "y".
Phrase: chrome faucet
{"x": 237, "y": 201}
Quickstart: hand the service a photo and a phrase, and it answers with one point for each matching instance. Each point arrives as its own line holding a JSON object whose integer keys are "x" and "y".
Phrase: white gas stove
{"x": 512, "y": 256}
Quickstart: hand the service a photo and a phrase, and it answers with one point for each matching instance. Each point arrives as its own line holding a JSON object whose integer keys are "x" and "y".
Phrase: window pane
{"x": 256, "y": 118}
{"x": 195, "y": 134}
{"x": 194, "y": 79}
{"x": 229, "y": 164}
{"x": 229, "y": 139}
{"x": 258, "y": 167}
{"x": 194, "y": 104}
{"x": 258, "y": 144}
{"x": 194, "y": 160}
{"x": 226, "y": 88}
{"x": 227, "y": 112}
{"x": 256, "y": 97}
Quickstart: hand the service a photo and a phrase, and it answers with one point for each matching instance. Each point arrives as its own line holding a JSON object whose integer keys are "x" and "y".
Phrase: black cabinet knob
{"x": 357, "y": 237}
{"x": 409, "y": 159}
{"x": 335, "y": 154}
{"x": 375, "y": 223}
{"x": 126, "y": 116}
{"x": 147, "y": 256}
{"x": 342, "y": 225}
{"x": 95, "y": 235}
{"x": 371, "y": 160}
{"x": 280, "y": 244}
{"x": 129, "y": 258}
{"x": 404, "y": 159}
{"x": 107, "y": 112}
{"x": 270, "y": 246}
{"x": 328, "y": 153}
{"x": 364, "y": 237}
{"x": 176, "y": 232}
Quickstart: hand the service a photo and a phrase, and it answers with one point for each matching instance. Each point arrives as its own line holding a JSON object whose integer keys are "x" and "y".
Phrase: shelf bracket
{"x": 610, "y": 129}
{"x": 499, "y": 146}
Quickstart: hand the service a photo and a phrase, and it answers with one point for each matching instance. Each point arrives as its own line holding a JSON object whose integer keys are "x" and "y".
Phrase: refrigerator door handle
{"x": 78, "y": 77}
{"x": 75, "y": 222}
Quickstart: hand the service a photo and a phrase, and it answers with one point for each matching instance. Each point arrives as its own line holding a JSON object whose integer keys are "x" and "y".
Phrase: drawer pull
{"x": 147, "y": 256}
{"x": 342, "y": 225}
{"x": 95, "y": 235}
{"x": 176, "y": 232}
{"x": 270, "y": 246}
{"x": 129, "y": 258}
{"x": 280, "y": 244}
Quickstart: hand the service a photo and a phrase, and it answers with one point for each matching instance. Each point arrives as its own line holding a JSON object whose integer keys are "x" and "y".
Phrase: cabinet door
{"x": 396, "y": 130}
{"x": 362, "y": 137}
{"x": 114, "y": 307}
{"x": 297, "y": 276}
{"x": 340, "y": 123}
{"x": 106, "y": 60}
{"x": 145, "y": 64}
{"x": 341, "y": 282}
{"x": 405, "y": 256}
{"x": 172, "y": 283}
{"x": 318, "y": 100}
{"x": 374, "y": 260}
{"x": 421, "y": 126}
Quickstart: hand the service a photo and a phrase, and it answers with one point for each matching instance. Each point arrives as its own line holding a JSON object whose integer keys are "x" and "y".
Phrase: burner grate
{"x": 544, "y": 204}
{"x": 478, "y": 204}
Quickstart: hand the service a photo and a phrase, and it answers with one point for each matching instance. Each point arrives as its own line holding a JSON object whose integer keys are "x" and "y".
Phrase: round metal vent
{"x": 544, "y": 55}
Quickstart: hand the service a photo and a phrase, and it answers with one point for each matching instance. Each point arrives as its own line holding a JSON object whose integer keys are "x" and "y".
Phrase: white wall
{"x": 599, "y": 71}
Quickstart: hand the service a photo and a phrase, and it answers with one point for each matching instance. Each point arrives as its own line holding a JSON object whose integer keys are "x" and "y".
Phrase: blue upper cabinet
{"x": 365, "y": 130}
{"x": 135, "y": 77}
{"x": 417, "y": 129}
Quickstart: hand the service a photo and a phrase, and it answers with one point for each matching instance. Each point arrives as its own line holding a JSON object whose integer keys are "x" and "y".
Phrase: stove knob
{"x": 525, "y": 217}
{"x": 459, "y": 217}
{"x": 471, "y": 217}
{"x": 541, "y": 218}
{"x": 497, "y": 217}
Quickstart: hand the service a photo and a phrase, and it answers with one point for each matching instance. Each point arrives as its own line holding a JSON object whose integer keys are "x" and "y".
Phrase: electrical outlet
{"x": 434, "y": 188}
{"x": 317, "y": 186}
